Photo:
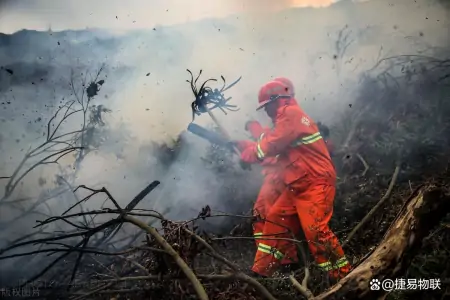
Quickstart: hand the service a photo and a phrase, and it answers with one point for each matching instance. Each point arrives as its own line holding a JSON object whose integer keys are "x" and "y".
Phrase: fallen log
{"x": 421, "y": 212}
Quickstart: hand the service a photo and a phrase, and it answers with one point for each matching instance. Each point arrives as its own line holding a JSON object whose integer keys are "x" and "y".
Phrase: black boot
{"x": 256, "y": 275}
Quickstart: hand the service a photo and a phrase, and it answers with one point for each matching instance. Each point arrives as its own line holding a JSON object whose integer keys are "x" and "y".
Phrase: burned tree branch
{"x": 388, "y": 260}
{"x": 422, "y": 211}
{"x": 238, "y": 273}
{"x": 54, "y": 142}
{"x": 180, "y": 262}
{"x": 363, "y": 161}
{"x": 302, "y": 288}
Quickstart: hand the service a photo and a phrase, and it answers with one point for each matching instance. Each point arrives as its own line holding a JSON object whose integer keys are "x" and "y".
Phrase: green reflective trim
{"x": 257, "y": 235}
{"x": 307, "y": 139}
{"x": 259, "y": 151}
{"x": 312, "y": 138}
{"x": 328, "y": 266}
{"x": 269, "y": 250}
{"x": 341, "y": 263}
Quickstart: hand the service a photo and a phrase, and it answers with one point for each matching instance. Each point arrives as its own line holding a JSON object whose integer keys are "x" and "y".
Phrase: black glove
{"x": 245, "y": 166}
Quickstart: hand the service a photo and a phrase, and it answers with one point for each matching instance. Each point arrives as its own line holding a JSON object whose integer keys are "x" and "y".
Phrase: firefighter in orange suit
{"x": 310, "y": 179}
{"x": 273, "y": 184}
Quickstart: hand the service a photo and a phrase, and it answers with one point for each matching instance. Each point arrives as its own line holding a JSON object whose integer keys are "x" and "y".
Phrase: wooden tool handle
{"x": 222, "y": 129}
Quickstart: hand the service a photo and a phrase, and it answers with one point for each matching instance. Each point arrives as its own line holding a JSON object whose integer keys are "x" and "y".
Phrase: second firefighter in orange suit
{"x": 310, "y": 179}
{"x": 271, "y": 189}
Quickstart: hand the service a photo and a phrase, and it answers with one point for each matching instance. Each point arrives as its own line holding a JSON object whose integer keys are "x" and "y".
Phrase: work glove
{"x": 254, "y": 128}
{"x": 244, "y": 144}
{"x": 244, "y": 165}
{"x": 241, "y": 146}
{"x": 249, "y": 155}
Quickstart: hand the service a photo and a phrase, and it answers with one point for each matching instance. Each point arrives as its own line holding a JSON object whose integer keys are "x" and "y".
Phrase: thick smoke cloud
{"x": 146, "y": 88}
{"x": 137, "y": 14}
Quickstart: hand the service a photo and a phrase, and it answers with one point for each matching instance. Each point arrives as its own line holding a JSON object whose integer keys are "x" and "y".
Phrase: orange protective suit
{"x": 310, "y": 177}
{"x": 271, "y": 189}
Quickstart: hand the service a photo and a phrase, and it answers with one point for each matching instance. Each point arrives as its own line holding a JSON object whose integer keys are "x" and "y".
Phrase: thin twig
{"x": 366, "y": 165}
{"x": 300, "y": 287}
{"x": 375, "y": 208}
{"x": 258, "y": 286}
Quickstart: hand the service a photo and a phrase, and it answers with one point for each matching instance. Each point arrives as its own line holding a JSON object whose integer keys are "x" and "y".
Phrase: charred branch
{"x": 421, "y": 212}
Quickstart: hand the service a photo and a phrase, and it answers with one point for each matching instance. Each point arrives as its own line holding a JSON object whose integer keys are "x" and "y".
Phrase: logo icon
{"x": 374, "y": 285}
{"x": 305, "y": 121}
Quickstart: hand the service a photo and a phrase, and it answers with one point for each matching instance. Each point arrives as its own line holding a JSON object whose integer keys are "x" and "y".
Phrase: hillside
{"x": 112, "y": 110}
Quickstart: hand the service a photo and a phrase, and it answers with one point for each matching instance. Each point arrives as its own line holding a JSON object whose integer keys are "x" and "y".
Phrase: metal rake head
{"x": 208, "y": 99}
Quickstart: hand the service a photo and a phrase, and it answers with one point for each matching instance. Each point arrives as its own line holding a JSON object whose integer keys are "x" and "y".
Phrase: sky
{"x": 136, "y": 14}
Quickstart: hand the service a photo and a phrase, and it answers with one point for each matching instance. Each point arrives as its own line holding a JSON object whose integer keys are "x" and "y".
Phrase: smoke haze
{"x": 147, "y": 47}
{"x": 137, "y": 14}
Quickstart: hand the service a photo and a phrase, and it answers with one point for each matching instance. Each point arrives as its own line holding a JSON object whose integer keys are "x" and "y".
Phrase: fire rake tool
{"x": 207, "y": 99}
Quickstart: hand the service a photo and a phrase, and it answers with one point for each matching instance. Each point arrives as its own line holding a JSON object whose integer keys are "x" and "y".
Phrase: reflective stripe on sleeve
{"x": 307, "y": 139}
{"x": 301, "y": 141}
{"x": 259, "y": 151}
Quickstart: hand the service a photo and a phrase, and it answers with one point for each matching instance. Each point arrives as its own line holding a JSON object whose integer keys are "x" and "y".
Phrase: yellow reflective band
{"x": 307, "y": 139}
{"x": 257, "y": 234}
{"x": 327, "y": 266}
{"x": 311, "y": 138}
{"x": 259, "y": 151}
{"x": 269, "y": 250}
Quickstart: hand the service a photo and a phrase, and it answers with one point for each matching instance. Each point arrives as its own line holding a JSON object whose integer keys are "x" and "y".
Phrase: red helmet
{"x": 272, "y": 91}
{"x": 287, "y": 83}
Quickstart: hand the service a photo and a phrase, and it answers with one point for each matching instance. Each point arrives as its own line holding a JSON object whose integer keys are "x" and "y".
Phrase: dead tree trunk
{"x": 421, "y": 212}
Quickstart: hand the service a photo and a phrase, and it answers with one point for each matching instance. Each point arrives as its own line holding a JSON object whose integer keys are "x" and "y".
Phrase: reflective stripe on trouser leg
{"x": 270, "y": 191}
{"x": 315, "y": 208}
{"x": 328, "y": 266}
{"x": 256, "y": 235}
{"x": 342, "y": 271}
{"x": 270, "y": 250}
{"x": 267, "y": 259}
{"x": 279, "y": 220}
{"x": 259, "y": 211}
{"x": 289, "y": 252}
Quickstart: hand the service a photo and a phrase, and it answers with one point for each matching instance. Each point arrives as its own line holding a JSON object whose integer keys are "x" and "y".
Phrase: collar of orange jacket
{"x": 287, "y": 102}
{"x": 273, "y": 111}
